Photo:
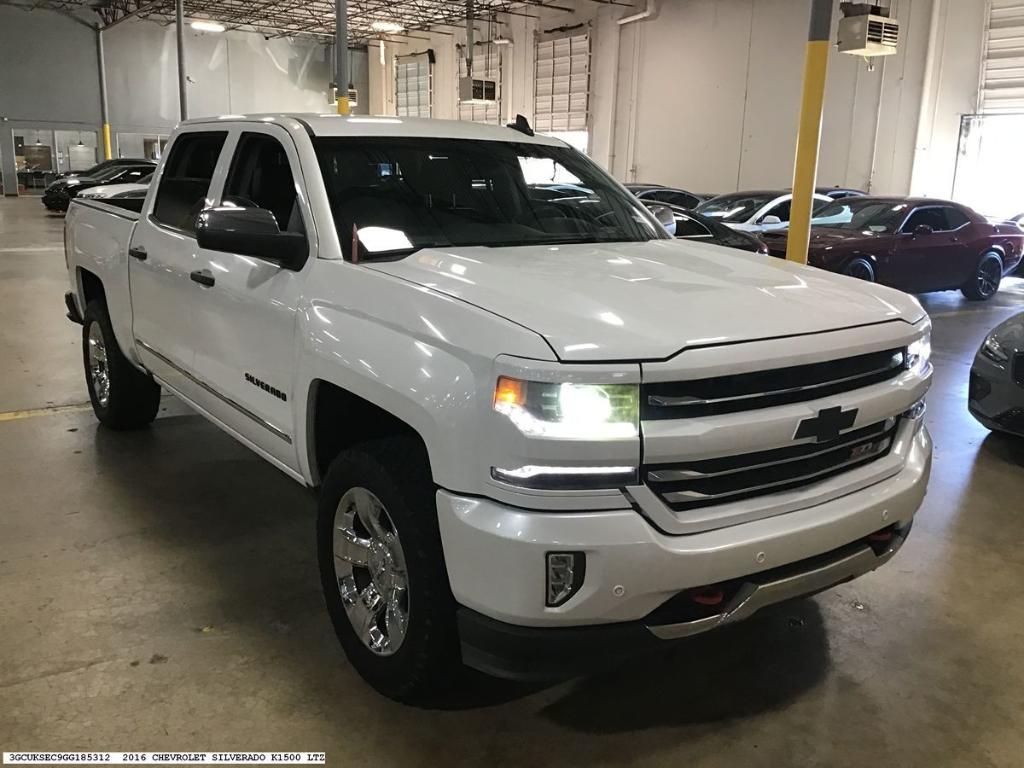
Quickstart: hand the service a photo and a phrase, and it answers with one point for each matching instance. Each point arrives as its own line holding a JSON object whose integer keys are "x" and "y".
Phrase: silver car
{"x": 996, "y": 392}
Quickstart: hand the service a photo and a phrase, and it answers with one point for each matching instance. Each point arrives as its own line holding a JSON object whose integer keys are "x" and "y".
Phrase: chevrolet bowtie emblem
{"x": 827, "y": 425}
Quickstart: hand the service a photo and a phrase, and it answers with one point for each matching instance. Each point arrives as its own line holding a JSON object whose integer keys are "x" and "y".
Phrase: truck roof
{"x": 329, "y": 124}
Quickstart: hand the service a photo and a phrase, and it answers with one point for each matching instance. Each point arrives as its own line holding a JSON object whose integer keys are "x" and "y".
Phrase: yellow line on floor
{"x": 49, "y": 411}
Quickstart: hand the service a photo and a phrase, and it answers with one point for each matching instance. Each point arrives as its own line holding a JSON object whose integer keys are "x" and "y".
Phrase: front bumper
{"x": 527, "y": 653}
{"x": 495, "y": 556}
{"x": 995, "y": 398}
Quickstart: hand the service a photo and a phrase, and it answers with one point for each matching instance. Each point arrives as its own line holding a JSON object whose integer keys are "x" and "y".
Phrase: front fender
{"x": 425, "y": 358}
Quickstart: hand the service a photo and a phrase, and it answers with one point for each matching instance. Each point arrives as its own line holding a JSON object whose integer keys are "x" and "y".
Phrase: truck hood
{"x": 649, "y": 300}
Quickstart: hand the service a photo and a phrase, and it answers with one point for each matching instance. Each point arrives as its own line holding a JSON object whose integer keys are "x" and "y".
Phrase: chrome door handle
{"x": 138, "y": 252}
{"x": 203, "y": 277}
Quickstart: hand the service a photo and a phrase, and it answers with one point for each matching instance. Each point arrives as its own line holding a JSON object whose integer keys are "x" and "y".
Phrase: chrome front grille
{"x": 763, "y": 389}
{"x": 702, "y": 483}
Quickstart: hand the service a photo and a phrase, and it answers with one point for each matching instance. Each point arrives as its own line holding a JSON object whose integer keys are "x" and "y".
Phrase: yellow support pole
{"x": 343, "y": 105}
{"x": 809, "y": 135}
{"x": 108, "y": 153}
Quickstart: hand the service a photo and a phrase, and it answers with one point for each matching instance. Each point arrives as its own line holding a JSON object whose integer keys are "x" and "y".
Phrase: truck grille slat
{"x": 712, "y": 481}
{"x": 762, "y": 389}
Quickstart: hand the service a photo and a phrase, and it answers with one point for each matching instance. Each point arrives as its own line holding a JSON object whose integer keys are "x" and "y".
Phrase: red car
{"x": 915, "y": 244}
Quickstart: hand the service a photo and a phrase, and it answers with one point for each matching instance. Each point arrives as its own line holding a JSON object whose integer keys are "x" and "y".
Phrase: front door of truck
{"x": 163, "y": 258}
{"x": 244, "y": 325}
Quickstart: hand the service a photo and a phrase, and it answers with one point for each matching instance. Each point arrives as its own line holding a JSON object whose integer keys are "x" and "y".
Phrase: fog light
{"x": 564, "y": 576}
{"x": 916, "y": 411}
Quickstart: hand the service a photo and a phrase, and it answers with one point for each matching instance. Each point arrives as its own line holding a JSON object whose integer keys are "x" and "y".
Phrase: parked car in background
{"x": 124, "y": 191}
{"x": 59, "y": 194}
{"x": 840, "y": 193}
{"x": 915, "y": 244}
{"x": 103, "y": 166}
{"x": 658, "y": 193}
{"x": 759, "y": 211}
{"x": 690, "y": 225}
{"x": 996, "y": 391}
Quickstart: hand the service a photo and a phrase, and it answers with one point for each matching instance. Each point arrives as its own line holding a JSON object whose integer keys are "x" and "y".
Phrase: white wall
{"x": 232, "y": 72}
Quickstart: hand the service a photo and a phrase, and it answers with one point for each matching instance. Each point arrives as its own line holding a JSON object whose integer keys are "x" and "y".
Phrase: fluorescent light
{"x": 387, "y": 27}
{"x": 207, "y": 26}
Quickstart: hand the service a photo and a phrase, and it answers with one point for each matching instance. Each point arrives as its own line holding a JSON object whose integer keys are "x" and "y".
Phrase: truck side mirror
{"x": 251, "y": 232}
{"x": 664, "y": 216}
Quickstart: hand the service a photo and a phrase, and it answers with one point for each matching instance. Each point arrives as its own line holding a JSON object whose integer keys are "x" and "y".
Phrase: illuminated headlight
{"x": 919, "y": 353}
{"x": 570, "y": 411}
{"x": 993, "y": 350}
{"x": 88, "y": 194}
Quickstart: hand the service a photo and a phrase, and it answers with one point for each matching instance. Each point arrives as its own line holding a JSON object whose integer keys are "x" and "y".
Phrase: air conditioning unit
{"x": 353, "y": 96}
{"x": 478, "y": 91}
{"x": 867, "y": 30}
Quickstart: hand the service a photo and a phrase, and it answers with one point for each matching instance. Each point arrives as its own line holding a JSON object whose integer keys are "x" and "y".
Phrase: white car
{"x": 122, "y": 191}
{"x": 543, "y": 433}
{"x": 759, "y": 211}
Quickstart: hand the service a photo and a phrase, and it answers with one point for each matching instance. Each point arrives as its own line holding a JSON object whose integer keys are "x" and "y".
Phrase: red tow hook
{"x": 708, "y": 596}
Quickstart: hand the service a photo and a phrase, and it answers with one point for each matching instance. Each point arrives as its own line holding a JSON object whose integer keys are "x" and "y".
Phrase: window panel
{"x": 186, "y": 179}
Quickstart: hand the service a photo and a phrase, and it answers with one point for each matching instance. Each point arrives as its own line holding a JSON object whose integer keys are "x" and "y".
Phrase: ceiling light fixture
{"x": 207, "y": 26}
{"x": 386, "y": 27}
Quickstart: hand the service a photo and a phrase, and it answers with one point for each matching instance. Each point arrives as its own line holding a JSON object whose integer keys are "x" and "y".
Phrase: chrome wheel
{"x": 99, "y": 373}
{"x": 988, "y": 277}
{"x": 369, "y": 566}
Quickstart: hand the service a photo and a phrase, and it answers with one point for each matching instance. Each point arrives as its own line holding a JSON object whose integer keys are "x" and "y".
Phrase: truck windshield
{"x": 394, "y": 196}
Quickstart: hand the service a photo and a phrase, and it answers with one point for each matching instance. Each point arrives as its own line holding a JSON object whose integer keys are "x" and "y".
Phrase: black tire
{"x": 132, "y": 398}
{"x": 427, "y": 662}
{"x": 862, "y": 269}
{"x": 986, "y": 278}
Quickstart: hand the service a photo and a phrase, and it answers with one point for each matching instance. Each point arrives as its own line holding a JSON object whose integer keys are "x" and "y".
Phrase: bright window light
{"x": 378, "y": 239}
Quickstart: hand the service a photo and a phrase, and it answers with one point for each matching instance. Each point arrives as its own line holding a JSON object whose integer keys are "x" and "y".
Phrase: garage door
{"x": 413, "y": 85}
{"x": 1003, "y": 77}
{"x": 486, "y": 66}
{"x": 563, "y": 84}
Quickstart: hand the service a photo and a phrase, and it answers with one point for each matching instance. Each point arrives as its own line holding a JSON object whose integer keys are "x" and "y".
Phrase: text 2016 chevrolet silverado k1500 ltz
{"x": 543, "y": 432}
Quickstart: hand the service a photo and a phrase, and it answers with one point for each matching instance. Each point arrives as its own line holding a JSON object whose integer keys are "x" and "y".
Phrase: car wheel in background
{"x": 861, "y": 269}
{"x": 985, "y": 281}
{"x": 122, "y": 396}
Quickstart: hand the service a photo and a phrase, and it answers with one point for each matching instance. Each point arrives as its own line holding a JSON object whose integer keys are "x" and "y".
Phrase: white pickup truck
{"x": 544, "y": 433}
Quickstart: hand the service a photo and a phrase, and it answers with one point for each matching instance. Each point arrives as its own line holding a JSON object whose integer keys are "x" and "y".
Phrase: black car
{"x": 58, "y": 196}
{"x": 687, "y": 225}
{"x": 996, "y": 388}
{"x": 838, "y": 193}
{"x": 103, "y": 167}
{"x": 680, "y": 198}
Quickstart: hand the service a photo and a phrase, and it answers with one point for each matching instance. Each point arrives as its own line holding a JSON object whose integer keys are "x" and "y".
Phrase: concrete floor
{"x": 158, "y": 590}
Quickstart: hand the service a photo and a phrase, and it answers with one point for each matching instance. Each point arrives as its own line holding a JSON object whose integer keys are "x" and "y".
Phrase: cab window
{"x": 261, "y": 177}
{"x": 185, "y": 182}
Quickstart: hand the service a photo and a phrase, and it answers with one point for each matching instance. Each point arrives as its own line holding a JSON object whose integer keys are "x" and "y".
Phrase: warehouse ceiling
{"x": 366, "y": 18}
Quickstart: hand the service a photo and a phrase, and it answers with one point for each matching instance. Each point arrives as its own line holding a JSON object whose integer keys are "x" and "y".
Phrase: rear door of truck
{"x": 163, "y": 268}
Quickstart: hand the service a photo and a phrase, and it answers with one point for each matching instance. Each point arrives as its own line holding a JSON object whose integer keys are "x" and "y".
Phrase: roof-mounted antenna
{"x": 522, "y": 125}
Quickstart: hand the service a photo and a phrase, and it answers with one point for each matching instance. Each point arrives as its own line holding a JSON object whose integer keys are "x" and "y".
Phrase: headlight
{"x": 570, "y": 411}
{"x": 919, "y": 353}
{"x": 993, "y": 350}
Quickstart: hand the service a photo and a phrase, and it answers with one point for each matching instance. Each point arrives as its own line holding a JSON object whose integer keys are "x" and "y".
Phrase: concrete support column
{"x": 7, "y": 165}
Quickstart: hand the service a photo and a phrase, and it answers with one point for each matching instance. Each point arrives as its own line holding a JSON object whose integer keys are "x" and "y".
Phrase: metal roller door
{"x": 562, "y": 74}
{"x": 413, "y": 85}
{"x": 1002, "y": 87}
